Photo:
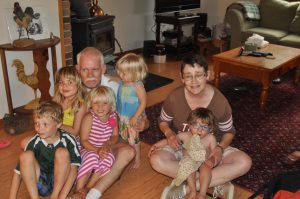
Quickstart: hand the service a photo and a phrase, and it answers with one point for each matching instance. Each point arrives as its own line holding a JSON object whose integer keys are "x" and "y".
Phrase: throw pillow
{"x": 295, "y": 25}
{"x": 277, "y": 14}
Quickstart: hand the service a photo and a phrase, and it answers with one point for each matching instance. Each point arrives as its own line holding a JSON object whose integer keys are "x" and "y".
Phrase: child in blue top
{"x": 131, "y": 99}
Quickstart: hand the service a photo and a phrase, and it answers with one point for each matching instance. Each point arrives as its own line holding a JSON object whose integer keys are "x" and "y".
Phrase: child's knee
{"x": 126, "y": 152}
{"x": 26, "y": 156}
{"x": 62, "y": 154}
{"x": 130, "y": 151}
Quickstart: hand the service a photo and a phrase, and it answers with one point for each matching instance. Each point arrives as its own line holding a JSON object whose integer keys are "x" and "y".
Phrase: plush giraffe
{"x": 190, "y": 163}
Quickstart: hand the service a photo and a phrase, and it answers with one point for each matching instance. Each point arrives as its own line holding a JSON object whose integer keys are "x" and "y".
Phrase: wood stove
{"x": 98, "y": 32}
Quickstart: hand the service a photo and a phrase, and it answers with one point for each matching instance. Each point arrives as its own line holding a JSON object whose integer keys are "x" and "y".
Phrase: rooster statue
{"x": 23, "y": 19}
{"x": 30, "y": 80}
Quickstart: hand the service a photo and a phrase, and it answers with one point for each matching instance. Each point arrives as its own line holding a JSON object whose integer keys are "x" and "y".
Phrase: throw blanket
{"x": 250, "y": 9}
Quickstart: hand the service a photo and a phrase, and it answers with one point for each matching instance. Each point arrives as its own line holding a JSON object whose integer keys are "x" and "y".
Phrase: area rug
{"x": 154, "y": 81}
{"x": 267, "y": 135}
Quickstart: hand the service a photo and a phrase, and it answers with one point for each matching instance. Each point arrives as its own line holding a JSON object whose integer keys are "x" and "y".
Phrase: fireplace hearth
{"x": 98, "y": 32}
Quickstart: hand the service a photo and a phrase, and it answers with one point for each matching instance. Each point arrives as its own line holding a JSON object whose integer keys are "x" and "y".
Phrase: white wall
{"x": 135, "y": 21}
{"x": 21, "y": 93}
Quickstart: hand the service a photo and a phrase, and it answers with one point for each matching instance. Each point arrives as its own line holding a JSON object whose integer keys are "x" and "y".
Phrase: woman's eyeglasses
{"x": 198, "y": 77}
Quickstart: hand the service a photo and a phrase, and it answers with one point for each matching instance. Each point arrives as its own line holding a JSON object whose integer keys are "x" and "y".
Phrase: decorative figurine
{"x": 95, "y": 9}
{"x": 23, "y": 20}
{"x": 31, "y": 80}
{"x": 51, "y": 36}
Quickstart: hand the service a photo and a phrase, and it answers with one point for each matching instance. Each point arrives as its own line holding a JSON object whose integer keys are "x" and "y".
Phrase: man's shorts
{"x": 45, "y": 184}
{"x": 179, "y": 153}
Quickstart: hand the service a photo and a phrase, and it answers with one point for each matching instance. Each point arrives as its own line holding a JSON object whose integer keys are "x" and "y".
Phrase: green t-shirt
{"x": 44, "y": 152}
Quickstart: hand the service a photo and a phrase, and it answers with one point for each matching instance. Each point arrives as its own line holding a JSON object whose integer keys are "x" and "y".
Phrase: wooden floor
{"x": 144, "y": 183}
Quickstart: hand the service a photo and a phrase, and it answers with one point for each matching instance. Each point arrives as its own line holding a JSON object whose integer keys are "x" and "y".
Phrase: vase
{"x": 95, "y": 9}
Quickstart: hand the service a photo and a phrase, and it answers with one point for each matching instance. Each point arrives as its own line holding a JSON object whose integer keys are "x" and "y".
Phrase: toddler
{"x": 99, "y": 130}
{"x": 198, "y": 142}
{"x": 131, "y": 99}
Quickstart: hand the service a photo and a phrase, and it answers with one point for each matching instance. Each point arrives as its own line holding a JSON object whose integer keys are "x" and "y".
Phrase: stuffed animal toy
{"x": 190, "y": 163}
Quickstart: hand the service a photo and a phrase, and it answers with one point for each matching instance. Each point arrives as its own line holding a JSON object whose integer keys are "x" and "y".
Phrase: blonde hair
{"x": 49, "y": 109}
{"x": 101, "y": 94}
{"x": 91, "y": 51}
{"x": 134, "y": 65}
{"x": 71, "y": 74}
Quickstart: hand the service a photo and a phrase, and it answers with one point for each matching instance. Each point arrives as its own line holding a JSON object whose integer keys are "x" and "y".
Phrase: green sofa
{"x": 279, "y": 23}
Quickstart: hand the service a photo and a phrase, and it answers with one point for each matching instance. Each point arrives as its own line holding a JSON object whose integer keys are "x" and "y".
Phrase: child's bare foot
{"x": 201, "y": 196}
{"x": 136, "y": 164}
{"x": 80, "y": 194}
{"x": 192, "y": 195}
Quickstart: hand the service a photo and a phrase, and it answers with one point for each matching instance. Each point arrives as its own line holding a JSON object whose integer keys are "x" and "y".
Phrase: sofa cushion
{"x": 277, "y": 14}
{"x": 295, "y": 25}
{"x": 271, "y": 35}
{"x": 292, "y": 40}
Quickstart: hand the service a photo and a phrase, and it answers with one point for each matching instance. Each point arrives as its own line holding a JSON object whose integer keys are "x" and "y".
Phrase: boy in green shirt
{"x": 49, "y": 162}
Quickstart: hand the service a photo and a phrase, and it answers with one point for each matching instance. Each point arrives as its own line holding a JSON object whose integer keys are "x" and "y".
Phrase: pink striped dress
{"x": 100, "y": 133}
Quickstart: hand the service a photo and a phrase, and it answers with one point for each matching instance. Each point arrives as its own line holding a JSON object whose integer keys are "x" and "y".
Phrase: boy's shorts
{"x": 45, "y": 184}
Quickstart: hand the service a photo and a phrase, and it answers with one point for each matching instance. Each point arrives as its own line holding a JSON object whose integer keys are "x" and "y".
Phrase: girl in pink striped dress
{"x": 98, "y": 131}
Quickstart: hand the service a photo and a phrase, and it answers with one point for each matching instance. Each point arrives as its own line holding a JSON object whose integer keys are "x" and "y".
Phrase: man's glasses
{"x": 198, "y": 126}
{"x": 198, "y": 77}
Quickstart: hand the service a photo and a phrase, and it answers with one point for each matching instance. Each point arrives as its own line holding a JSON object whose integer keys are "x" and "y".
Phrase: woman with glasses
{"x": 229, "y": 163}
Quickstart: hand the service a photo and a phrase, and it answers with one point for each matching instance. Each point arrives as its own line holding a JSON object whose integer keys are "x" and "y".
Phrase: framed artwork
{"x": 24, "y": 21}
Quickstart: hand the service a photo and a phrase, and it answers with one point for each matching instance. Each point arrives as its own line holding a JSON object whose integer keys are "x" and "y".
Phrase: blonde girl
{"x": 69, "y": 93}
{"x": 99, "y": 130}
{"x": 131, "y": 99}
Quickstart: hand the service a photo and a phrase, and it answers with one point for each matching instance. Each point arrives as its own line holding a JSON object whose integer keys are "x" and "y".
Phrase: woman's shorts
{"x": 179, "y": 152}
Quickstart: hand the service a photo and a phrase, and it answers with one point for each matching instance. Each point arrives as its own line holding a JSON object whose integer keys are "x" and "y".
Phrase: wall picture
{"x": 25, "y": 21}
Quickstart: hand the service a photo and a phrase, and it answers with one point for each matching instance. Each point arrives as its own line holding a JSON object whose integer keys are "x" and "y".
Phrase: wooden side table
{"x": 40, "y": 57}
{"x": 221, "y": 44}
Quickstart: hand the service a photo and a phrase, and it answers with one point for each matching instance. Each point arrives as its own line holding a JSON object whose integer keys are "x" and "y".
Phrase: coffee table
{"x": 262, "y": 69}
